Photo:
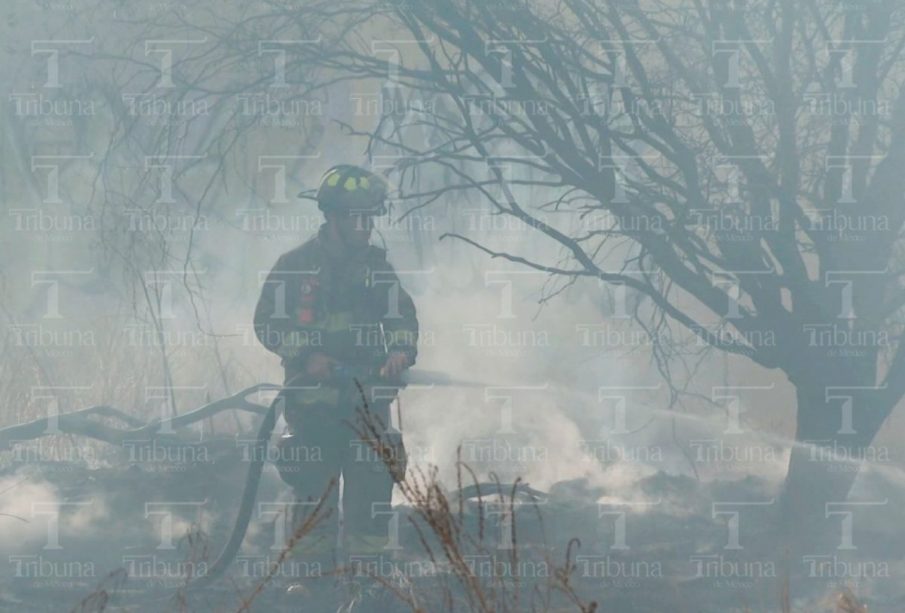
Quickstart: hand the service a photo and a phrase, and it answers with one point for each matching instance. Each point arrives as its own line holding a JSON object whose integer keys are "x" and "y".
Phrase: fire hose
{"x": 415, "y": 377}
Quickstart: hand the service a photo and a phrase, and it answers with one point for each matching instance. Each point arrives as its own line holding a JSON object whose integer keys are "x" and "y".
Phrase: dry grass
{"x": 446, "y": 538}
{"x": 439, "y": 520}
{"x": 97, "y": 601}
{"x": 299, "y": 532}
{"x": 847, "y": 602}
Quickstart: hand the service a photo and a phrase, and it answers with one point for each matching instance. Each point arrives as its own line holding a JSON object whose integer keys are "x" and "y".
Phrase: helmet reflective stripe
{"x": 352, "y": 189}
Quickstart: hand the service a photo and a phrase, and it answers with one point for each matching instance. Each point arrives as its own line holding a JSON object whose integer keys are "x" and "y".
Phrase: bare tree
{"x": 741, "y": 162}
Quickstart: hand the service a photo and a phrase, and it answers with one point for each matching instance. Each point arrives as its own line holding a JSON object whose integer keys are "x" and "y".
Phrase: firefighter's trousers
{"x": 322, "y": 445}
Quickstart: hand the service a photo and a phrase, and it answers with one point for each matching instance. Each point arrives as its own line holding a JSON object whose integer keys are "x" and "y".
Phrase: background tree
{"x": 741, "y": 162}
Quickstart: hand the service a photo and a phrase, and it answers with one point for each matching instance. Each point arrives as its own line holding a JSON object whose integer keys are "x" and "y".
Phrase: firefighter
{"x": 334, "y": 311}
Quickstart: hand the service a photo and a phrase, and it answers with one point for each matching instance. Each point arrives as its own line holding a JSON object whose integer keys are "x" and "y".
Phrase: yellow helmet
{"x": 351, "y": 189}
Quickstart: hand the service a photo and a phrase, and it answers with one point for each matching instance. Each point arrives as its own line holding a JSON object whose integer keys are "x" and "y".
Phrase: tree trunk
{"x": 834, "y": 432}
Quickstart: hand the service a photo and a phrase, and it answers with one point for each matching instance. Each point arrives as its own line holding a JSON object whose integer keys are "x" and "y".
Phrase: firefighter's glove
{"x": 319, "y": 366}
{"x": 395, "y": 363}
{"x": 293, "y": 344}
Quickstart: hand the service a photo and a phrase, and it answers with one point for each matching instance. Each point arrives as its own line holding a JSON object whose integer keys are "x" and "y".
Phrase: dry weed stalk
{"x": 97, "y": 601}
{"x": 847, "y": 602}
{"x": 298, "y": 533}
{"x": 436, "y": 515}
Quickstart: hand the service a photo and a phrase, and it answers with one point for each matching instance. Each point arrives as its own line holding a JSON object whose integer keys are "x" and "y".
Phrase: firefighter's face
{"x": 355, "y": 229}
